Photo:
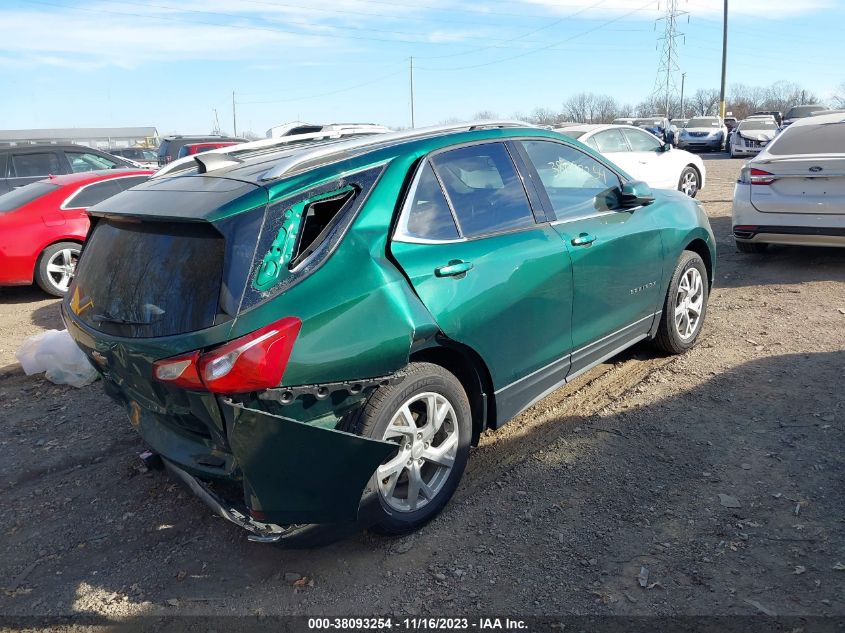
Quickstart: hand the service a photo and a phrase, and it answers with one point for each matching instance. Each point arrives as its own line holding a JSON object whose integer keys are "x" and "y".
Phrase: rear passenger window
{"x": 484, "y": 189}
{"x": 429, "y": 216}
{"x": 34, "y": 165}
{"x": 610, "y": 141}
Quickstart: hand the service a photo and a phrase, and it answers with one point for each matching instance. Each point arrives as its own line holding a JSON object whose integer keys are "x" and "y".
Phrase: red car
{"x": 43, "y": 225}
{"x": 198, "y": 148}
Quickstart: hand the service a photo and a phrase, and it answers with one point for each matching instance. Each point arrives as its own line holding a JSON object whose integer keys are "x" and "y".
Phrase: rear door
{"x": 617, "y": 255}
{"x": 659, "y": 168}
{"x": 612, "y": 143}
{"x": 807, "y": 165}
{"x": 494, "y": 278}
{"x": 26, "y": 166}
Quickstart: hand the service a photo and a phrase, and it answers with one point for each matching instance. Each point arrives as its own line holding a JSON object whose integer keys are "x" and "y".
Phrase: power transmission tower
{"x": 666, "y": 90}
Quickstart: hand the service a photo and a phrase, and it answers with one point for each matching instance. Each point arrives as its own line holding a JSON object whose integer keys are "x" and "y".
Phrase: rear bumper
{"x": 797, "y": 229}
{"x": 792, "y": 235}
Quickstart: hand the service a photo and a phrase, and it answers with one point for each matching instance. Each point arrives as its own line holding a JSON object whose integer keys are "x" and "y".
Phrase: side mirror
{"x": 635, "y": 194}
{"x": 666, "y": 147}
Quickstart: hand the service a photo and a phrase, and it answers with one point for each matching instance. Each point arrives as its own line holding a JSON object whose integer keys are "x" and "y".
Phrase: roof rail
{"x": 186, "y": 162}
{"x": 290, "y": 163}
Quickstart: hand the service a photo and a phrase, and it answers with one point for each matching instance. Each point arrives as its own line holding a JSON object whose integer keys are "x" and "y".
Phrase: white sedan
{"x": 793, "y": 191}
{"x": 643, "y": 156}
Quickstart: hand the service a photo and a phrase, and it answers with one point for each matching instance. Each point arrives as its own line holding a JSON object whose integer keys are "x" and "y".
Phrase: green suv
{"x": 319, "y": 334}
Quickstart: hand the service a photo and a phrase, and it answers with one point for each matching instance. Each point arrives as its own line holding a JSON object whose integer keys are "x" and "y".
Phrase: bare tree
{"x": 705, "y": 102}
{"x": 839, "y": 96}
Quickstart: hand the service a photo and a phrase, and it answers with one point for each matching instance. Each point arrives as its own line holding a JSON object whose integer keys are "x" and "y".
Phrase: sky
{"x": 175, "y": 64}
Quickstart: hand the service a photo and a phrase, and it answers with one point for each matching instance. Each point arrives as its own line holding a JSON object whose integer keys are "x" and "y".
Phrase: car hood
{"x": 757, "y": 135}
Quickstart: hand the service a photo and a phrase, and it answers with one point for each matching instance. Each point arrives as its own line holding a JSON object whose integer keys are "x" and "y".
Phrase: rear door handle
{"x": 583, "y": 239}
{"x": 454, "y": 268}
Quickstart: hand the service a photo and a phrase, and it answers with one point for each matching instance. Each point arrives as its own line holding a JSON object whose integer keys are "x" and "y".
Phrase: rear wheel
{"x": 56, "y": 267}
{"x": 690, "y": 181}
{"x": 751, "y": 247}
{"x": 685, "y": 305}
{"x": 427, "y": 416}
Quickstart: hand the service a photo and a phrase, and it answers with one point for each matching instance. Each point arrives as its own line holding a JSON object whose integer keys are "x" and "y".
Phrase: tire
{"x": 676, "y": 335}
{"x": 55, "y": 267}
{"x": 751, "y": 247}
{"x": 690, "y": 181}
{"x": 381, "y": 418}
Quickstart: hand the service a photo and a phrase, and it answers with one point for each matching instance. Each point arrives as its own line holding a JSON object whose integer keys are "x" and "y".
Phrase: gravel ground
{"x": 710, "y": 483}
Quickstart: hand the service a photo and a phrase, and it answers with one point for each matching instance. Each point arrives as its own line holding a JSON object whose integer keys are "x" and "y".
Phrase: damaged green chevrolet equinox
{"x": 318, "y": 334}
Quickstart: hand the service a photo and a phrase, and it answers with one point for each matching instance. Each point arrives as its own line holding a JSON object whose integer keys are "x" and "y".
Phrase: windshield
{"x": 827, "y": 138}
{"x": 763, "y": 124}
{"x": 799, "y": 112}
{"x": 703, "y": 122}
{"x": 24, "y": 195}
{"x": 648, "y": 123}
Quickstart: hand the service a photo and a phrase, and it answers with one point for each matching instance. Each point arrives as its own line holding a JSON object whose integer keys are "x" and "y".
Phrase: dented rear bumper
{"x": 291, "y": 473}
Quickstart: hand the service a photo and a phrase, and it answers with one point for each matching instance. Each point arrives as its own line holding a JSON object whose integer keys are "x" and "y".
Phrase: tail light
{"x": 249, "y": 363}
{"x": 754, "y": 176}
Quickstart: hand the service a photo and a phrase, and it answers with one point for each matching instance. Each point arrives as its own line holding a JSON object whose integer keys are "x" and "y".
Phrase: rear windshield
{"x": 572, "y": 133}
{"x": 149, "y": 279}
{"x": 827, "y": 138}
{"x": 24, "y": 195}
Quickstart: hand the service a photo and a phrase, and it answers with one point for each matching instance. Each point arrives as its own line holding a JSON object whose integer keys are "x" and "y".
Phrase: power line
{"x": 519, "y": 37}
{"x": 544, "y": 48}
{"x": 327, "y": 94}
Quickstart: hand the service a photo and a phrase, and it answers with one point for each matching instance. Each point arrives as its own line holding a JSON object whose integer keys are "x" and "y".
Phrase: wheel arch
{"x": 699, "y": 246}
{"x": 52, "y": 242}
{"x": 470, "y": 370}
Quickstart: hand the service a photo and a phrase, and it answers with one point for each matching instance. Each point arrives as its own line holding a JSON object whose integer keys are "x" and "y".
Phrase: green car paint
{"x": 274, "y": 451}
{"x": 531, "y": 308}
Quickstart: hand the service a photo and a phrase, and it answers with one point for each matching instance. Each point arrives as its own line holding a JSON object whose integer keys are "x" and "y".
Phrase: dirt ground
{"x": 718, "y": 474}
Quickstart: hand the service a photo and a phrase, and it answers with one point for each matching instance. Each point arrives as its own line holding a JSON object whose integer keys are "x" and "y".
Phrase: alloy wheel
{"x": 689, "y": 183}
{"x": 689, "y": 303}
{"x": 426, "y": 430}
{"x": 61, "y": 267}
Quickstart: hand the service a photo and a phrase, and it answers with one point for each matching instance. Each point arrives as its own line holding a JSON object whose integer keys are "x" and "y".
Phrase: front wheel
{"x": 427, "y": 415}
{"x": 56, "y": 267}
{"x": 690, "y": 181}
{"x": 685, "y": 305}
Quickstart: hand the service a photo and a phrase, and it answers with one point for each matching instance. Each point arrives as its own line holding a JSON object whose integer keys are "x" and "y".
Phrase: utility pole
{"x": 683, "y": 81}
{"x": 724, "y": 62}
{"x": 412, "y": 93}
{"x": 666, "y": 82}
{"x": 234, "y": 116}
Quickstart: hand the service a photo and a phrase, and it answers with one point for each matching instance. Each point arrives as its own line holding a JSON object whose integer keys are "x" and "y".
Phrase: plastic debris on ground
{"x": 54, "y": 353}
